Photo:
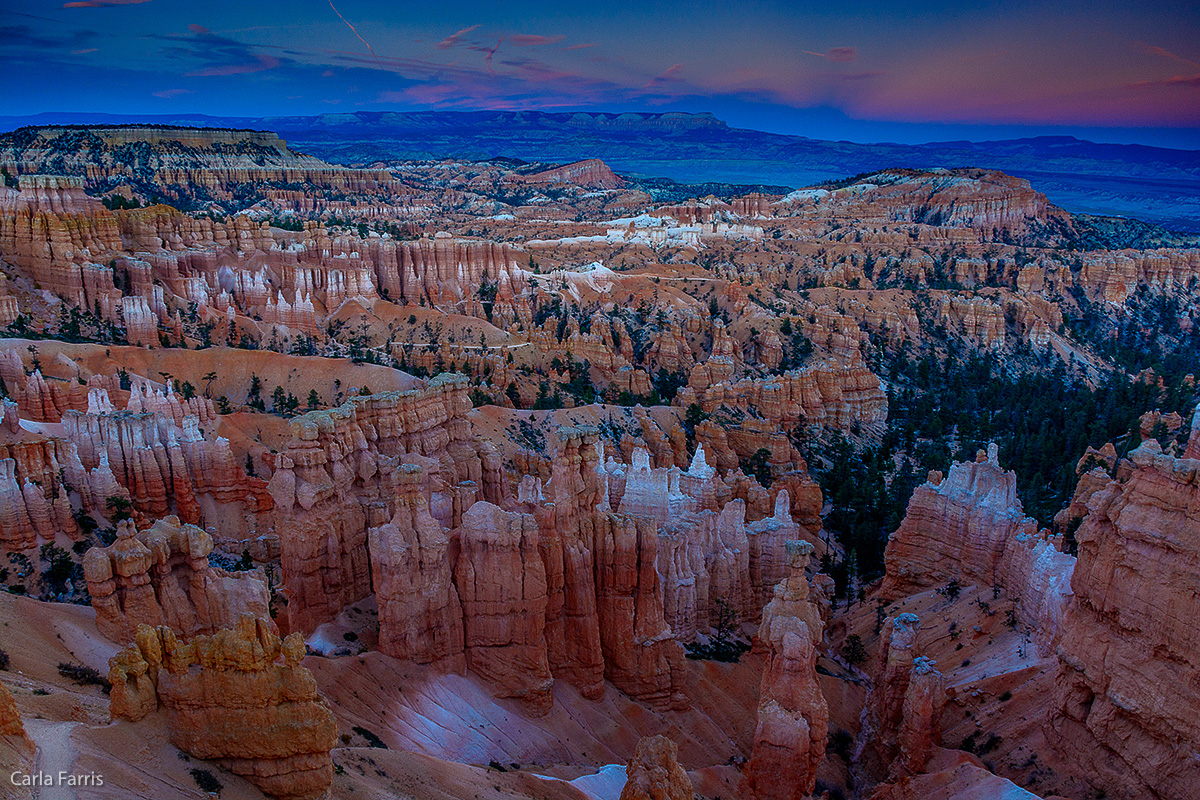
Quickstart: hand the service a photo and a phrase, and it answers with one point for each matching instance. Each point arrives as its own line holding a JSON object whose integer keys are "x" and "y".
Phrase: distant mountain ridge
{"x": 1154, "y": 184}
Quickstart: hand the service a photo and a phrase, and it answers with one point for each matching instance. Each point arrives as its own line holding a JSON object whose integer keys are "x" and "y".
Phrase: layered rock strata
{"x": 239, "y": 697}
{"x": 1125, "y": 709}
{"x": 793, "y": 717}
{"x": 970, "y": 527}
{"x": 501, "y": 583}
{"x": 338, "y": 478}
{"x": 654, "y": 772}
{"x": 162, "y": 577}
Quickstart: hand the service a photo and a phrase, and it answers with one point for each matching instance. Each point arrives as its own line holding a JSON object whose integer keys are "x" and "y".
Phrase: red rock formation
{"x": 885, "y": 705}
{"x": 162, "y": 576}
{"x": 35, "y": 473}
{"x": 212, "y": 160}
{"x": 10, "y": 717}
{"x": 901, "y": 727}
{"x": 641, "y": 656}
{"x": 337, "y": 477}
{"x": 826, "y": 392}
{"x": 983, "y": 199}
{"x": 970, "y": 527}
{"x": 157, "y": 456}
{"x": 591, "y": 172}
{"x": 1094, "y": 472}
{"x": 793, "y": 718}
{"x": 954, "y": 776}
{"x": 1125, "y": 710}
{"x": 420, "y": 616}
{"x": 654, "y": 772}
{"x": 239, "y": 697}
{"x": 501, "y": 582}
{"x": 1193, "y": 445}
{"x": 604, "y": 614}
{"x": 920, "y": 731}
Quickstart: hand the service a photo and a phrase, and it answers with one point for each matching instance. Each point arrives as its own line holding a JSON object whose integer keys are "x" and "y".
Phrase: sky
{"x": 862, "y": 70}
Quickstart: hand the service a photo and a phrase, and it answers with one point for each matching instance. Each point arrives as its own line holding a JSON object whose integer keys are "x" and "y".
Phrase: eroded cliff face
{"x": 339, "y": 477}
{"x": 970, "y": 527}
{"x": 240, "y": 697}
{"x": 162, "y": 577}
{"x": 190, "y": 163}
{"x": 412, "y": 574}
{"x": 828, "y": 392}
{"x": 159, "y": 454}
{"x": 501, "y": 582}
{"x": 793, "y": 716}
{"x": 1125, "y": 706}
{"x": 902, "y": 720}
{"x": 654, "y": 772}
{"x": 591, "y": 172}
{"x": 605, "y": 611}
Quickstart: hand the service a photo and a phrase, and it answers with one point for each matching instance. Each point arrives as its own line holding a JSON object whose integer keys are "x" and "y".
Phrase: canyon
{"x": 454, "y": 478}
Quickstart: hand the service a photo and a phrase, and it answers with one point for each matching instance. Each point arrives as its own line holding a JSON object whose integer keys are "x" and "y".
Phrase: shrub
{"x": 206, "y": 781}
{"x": 119, "y": 507}
{"x": 724, "y": 646}
{"x": 952, "y": 589}
{"x": 841, "y": 742}
{"x": 372, "y": 739}
{"x": 3, "y": 661}
{"x": 853, "y": 651}
{"x": 84, "y": 676}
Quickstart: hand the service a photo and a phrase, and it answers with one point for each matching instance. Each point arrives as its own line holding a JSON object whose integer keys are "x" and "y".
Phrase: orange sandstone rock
{"x": 162, "y": 576}
{"x": 1125, "y": 710}
{"x": 654, "y": 772}
{"x": 239, "y": 697}
{"x": 793, "y": 717}
{"x": 501, "y": 582}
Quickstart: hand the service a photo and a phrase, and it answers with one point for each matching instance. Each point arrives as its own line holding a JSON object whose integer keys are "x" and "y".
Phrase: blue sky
{"x": 860, "y": 70}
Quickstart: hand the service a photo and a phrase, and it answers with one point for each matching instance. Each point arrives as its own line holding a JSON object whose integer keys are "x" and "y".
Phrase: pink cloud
{"x": 533, "y": 40}
{"x": 580, "y": 46}
{"x": 260, "y": 64}
{"x": 1174, "y": 80}
{"x": 839, "y": 54}
{"x": 670, "y": 75}
{"x": 194, "y": 28}
{"x": 102, "y": 3}
{"x": 169, "y": 93}
{"x": 454, "y": 38}
{"x": 1164, "y": 53}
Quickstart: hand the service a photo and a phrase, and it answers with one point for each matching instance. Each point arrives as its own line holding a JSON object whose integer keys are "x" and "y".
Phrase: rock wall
{"x": 189, "y": 163}
{"x": 239, "y": 697}
{"x": 501, "y": 583}
{"x": 1125, "y": 707}
{"x": 793, "y": 717}
{"x": 604, "y": 616}
{"x": 833, "y": 393}
{"x": 420, "y": 614}
{"x": 654, "y": 772}
{"x": 162, "y": 577}
{"x": 10, "y": 716}
{"x": 338, "y": 478}
{"x": 591, "y": 172}
{"x": 901, "y": 724}
{"x": 970, "y": 527}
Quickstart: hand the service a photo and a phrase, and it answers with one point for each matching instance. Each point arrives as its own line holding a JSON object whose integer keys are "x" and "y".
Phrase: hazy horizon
{"x": 855, "y": 131}
{"x": 864, "y": 72}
